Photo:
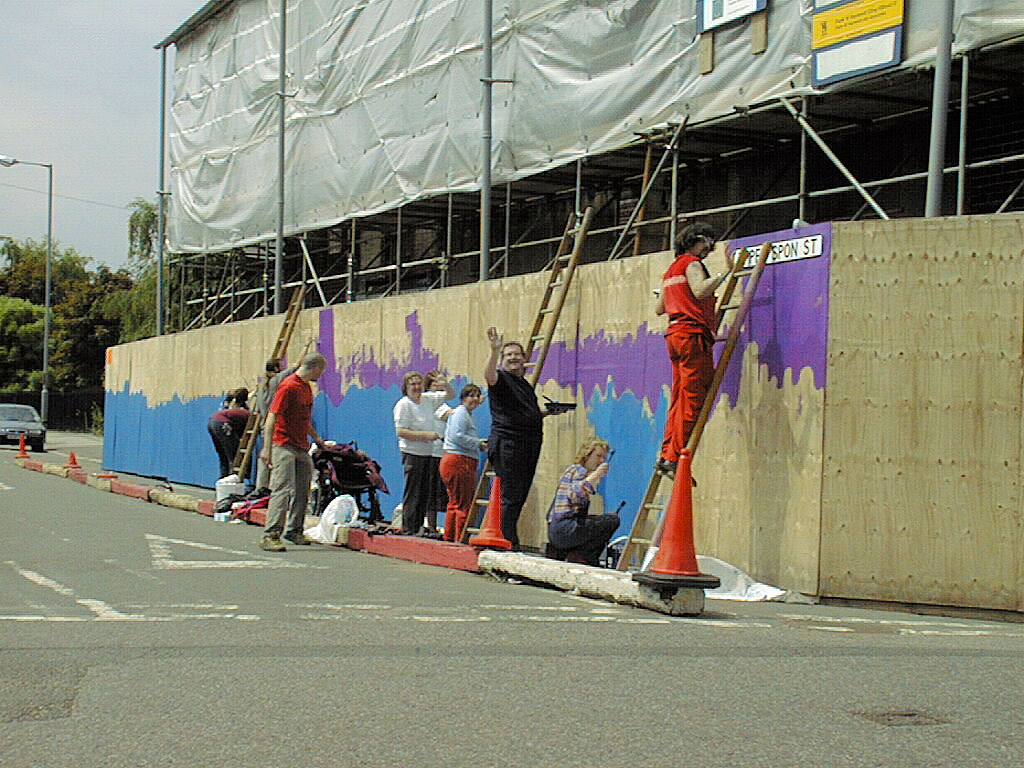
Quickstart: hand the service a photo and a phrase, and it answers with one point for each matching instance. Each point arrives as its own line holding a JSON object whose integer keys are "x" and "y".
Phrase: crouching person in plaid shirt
{"x": 581, "y": 537}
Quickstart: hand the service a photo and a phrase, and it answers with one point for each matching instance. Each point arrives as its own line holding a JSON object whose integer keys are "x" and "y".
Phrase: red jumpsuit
{"x": 690, "y": 337}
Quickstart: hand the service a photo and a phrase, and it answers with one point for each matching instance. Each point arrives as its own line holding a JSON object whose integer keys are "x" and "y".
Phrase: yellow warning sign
{"x": 855, "y": 19}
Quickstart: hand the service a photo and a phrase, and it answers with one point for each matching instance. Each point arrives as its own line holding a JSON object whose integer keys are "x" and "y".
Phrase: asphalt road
{"x": 136, "y": 635}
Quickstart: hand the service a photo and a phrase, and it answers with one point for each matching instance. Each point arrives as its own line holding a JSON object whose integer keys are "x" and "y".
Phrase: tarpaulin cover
{"x": 384, "y": 96}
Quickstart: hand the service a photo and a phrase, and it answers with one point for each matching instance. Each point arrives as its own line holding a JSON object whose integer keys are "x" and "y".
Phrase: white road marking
{"x": 342, "y": 607}
{"x": 528, "y": 607}
{"x": 160, "y": 552}
{"x": 5, "y": 487}
{"x": 101, "y": 610}
{"x": 904, "y": 627}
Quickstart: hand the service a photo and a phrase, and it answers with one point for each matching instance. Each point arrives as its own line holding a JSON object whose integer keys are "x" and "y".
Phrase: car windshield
{"x": 18, "y": 413}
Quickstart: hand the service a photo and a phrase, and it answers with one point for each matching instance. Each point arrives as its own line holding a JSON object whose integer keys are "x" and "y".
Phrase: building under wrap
{"x": 384, "y": 97}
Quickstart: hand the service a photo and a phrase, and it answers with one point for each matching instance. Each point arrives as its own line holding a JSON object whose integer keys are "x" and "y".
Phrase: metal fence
{"x": 77, "y": 411}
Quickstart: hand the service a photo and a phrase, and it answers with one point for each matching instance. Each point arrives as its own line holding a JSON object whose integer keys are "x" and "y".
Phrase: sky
{"x": 81, "y": 89}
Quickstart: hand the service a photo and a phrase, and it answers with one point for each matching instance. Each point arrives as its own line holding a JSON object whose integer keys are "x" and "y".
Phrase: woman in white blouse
{"x": 417, "y": 432}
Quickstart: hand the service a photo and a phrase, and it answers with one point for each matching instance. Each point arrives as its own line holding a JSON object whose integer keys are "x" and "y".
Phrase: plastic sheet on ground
{"x": 737, "y": 585}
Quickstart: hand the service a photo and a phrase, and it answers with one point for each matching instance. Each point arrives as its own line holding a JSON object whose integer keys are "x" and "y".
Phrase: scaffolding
{"x": 854, "y": 150}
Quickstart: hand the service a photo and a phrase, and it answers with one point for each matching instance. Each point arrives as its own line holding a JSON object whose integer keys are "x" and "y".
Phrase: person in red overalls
{"x": 688, "y": 298}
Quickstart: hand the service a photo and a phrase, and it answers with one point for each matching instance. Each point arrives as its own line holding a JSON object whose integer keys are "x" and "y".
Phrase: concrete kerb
{"x": 167, "y": 498}
{"x": 601, "y": 583}
{"x": 100, "y": 483}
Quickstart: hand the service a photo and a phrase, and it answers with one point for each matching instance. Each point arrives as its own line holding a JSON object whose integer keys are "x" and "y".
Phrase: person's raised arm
{"x": 491, "y": 369}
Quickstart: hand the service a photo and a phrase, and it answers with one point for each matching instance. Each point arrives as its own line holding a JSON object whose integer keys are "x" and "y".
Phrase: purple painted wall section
{"x": 788, "y": 321}
{"x": 789, "y": 317}
{"x": 634, "y": 363}
{"x": 364, "y": 367}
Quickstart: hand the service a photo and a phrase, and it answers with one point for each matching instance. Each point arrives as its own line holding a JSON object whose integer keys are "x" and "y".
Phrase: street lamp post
{"x": 44, "y": 400}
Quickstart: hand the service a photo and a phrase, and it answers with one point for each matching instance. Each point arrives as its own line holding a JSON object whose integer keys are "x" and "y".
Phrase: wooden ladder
{"x": 639, "y": 541}
{"x": 240, "y": 466}
{"x": 561, "y": 270}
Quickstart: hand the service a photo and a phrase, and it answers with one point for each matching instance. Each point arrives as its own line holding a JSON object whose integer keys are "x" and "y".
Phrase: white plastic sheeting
{"x": 384, "y": 96}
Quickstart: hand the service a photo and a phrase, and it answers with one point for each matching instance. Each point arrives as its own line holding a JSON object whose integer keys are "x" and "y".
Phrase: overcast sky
{"x": 81, "y": 89}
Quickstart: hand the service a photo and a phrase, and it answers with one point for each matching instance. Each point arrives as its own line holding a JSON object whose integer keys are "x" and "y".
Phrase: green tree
{"x": 85, "y": 329}
{"x": 23, "y": 271}
{"x": 21, "y": 344}
{"x": 133, "y": 305}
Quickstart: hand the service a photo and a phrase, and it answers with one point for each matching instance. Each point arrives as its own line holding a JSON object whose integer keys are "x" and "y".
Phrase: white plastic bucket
{"x": 229, "y": 485}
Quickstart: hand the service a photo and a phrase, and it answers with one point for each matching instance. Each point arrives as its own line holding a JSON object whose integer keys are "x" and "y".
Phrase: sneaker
{"x": 665, "y": 467}
{"x": 272, "y": 543}
{"x": 298, "y": 538}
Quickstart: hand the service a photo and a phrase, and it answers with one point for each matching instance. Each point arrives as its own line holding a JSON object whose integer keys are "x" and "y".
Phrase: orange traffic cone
{"x": 72, "y": 462}
{"x": 675, "y": 565}
{"x": 22, "y": 453}
{"x": 490, "y": 534}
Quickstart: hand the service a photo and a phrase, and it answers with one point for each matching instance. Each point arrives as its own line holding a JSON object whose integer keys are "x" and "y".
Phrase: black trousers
{"x": 418, "y": 492}
{"x": 584, "y": 537}
{"x": 225, "y": 442}
{"x": 514, "y": 461}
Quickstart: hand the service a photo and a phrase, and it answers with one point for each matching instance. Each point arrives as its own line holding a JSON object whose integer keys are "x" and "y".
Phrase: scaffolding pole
{"x": 961, "y": 175}
{"x": 281, "y": 84}
{"x": 833, "y": 157}
{"x": 940, "y": 108}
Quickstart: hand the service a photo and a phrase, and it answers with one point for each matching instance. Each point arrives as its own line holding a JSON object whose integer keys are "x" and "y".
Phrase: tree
{"x": 85, "y": 329}
{"x": 21, "y": 340}
{"x": 133, "y": 306}
{"x": 23, "y": 271}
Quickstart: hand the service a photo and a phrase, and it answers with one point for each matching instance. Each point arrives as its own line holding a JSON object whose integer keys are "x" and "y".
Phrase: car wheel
{"x": 38, "y": 446}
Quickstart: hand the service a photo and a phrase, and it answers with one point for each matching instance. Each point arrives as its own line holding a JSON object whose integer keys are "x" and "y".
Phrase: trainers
{"x": 665, "y": 467}
{"x": 298, "y": 538}
{"x": 272, "y": 543}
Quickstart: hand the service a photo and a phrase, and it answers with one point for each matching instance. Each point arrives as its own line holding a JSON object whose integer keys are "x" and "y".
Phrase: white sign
{"x": 788, "y": 250}
{"x": 715, "y": 13}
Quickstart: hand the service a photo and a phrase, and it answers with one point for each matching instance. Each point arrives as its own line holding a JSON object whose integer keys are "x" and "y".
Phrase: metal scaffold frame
{"x": 638, "y": 204}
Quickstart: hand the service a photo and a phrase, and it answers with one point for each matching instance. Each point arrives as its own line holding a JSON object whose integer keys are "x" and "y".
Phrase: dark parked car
{"x": 17, "y": 420}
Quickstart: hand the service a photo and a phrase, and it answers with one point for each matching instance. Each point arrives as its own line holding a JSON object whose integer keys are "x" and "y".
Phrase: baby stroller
{"x": 344, "y": 469}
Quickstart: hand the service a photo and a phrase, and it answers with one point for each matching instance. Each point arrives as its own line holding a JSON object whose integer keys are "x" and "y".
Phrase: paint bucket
{"x": 229, "y": 485}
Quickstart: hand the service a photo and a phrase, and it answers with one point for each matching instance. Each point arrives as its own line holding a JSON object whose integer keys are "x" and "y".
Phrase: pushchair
{"x": 344, "y": 469}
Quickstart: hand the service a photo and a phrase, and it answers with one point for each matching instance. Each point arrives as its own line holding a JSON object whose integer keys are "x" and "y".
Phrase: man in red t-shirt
{"x": 688, "y": 298}
{"x": 286, "y": 451}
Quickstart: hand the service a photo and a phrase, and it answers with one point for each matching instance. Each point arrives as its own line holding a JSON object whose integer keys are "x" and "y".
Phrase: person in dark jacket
{"x": 226, "y": 427}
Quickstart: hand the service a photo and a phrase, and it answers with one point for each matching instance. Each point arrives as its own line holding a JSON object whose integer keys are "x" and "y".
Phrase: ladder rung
{"x": 652, "y": 505}
{"x": 538, "y": 337}
{"x": 546, "y": 311}
{"x": 528, "y": 363}
{"x": 637, "y": 540}
{"x": 490, "y": 473}
{"x": 728, "y": 307}
{"x": 555, "y": 284}
{"x": 482, "y": 502}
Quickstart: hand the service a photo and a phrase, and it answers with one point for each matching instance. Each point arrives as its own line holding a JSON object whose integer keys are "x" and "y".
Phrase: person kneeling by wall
{"x": 581, "y": 537}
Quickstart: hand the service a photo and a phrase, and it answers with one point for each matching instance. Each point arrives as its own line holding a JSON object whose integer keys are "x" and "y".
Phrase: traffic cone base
{"x": 490, "y": 534}
{"x": 22, "y": 453}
